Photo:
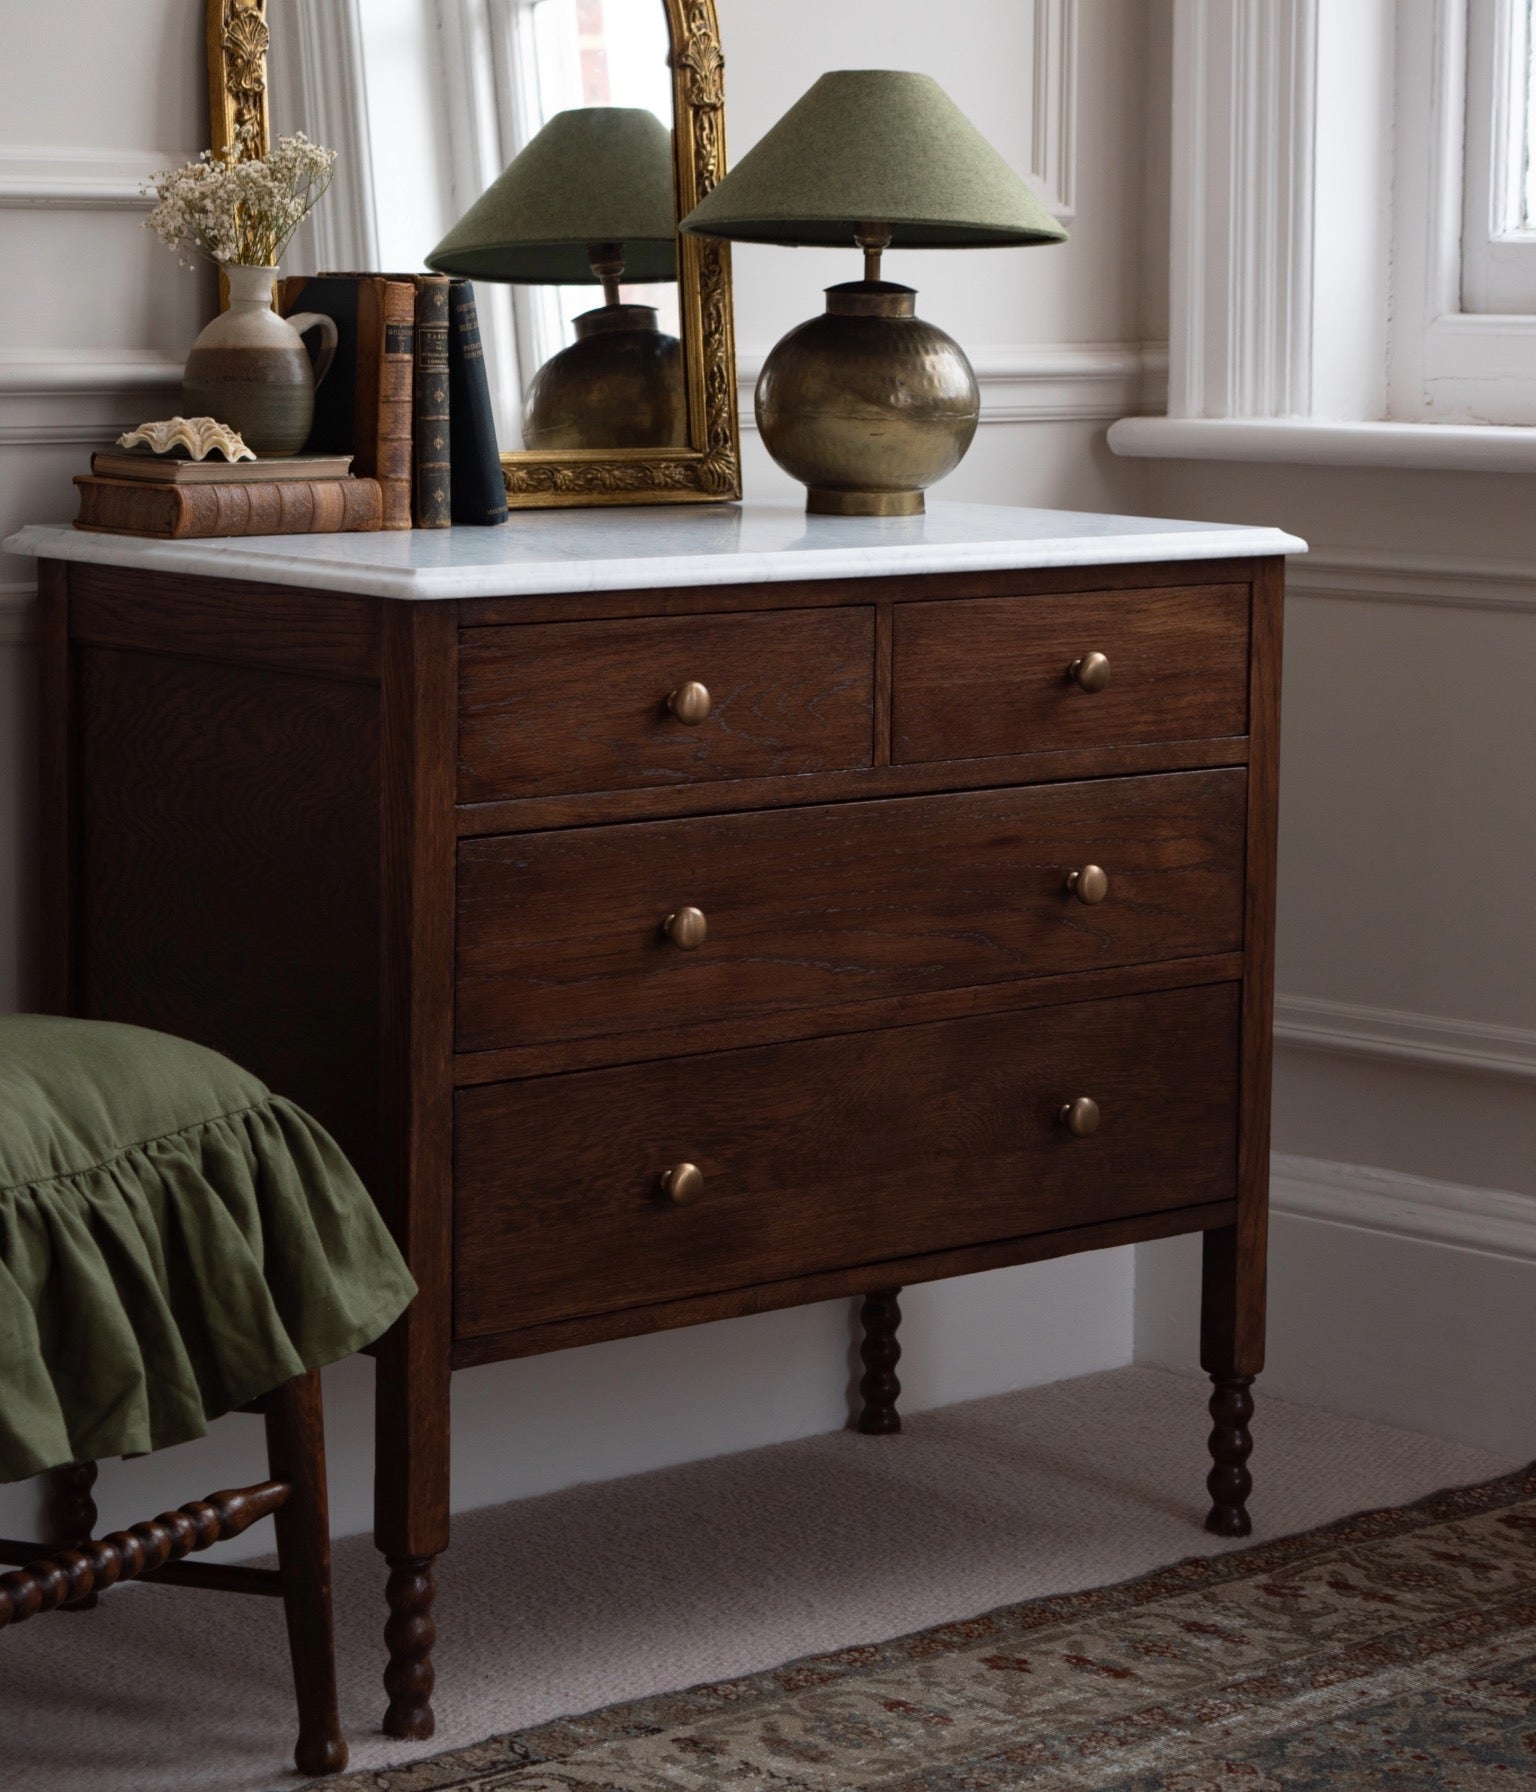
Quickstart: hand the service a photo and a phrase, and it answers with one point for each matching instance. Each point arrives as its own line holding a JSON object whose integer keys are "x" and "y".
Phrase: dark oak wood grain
{"x": 835, "y": 1151}
{"x": 863, "y": 784}
{"x": 978, "y": 678}
{"x": 856, "y": 1280}
{"x": 415, "y": 1099}
{"x": 561, "y": 936}
{"x": 610, "y": 604}
{"x": 327, "y": 634}
{"x": 58, "y": 793}
{"x": 562, "y": 707}
{"x": 819, "y": 1022}
{"x": 295, "y": 1422}
{"x": 1233, "y": 1292}
{"x": 229, "y": 821}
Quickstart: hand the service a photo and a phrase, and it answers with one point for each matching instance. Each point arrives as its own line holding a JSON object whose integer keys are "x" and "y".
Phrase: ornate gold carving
{"x": 709, "y": 469}
{"x": 238, "y": 40}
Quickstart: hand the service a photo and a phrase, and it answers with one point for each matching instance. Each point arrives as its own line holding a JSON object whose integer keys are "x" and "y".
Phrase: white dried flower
{"x": 238, "y": 208}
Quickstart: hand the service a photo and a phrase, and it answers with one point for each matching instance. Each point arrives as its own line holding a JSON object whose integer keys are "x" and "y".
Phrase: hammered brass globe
{"x": 868, "y": 405}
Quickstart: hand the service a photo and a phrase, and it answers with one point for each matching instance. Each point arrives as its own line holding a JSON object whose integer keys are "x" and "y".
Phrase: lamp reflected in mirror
{"x": 588, "y": 202}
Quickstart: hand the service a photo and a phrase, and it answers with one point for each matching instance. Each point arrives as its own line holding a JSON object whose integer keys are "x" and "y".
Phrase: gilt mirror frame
{"x": 708, "y": 469}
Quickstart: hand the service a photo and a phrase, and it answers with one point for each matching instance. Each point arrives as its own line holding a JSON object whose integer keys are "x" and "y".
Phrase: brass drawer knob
{"x": 1081, "y": 1117}
{"x": 1090, "y": 673}
{"x": 682, "y": 1184}
{"x": 686, "y": 928}
{"x": 1089, "y": 885}
{"x": 690, "y": 703}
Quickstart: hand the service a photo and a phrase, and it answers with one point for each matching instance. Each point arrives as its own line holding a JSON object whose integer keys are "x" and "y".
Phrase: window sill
{"x": 1318, "y": 442}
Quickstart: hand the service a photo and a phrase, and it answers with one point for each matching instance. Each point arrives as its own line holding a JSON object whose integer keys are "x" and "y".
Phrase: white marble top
{"x": 633, "y": 548}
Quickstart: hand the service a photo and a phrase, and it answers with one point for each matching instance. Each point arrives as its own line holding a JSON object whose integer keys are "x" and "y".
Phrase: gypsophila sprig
{"x": 233, "y": 207}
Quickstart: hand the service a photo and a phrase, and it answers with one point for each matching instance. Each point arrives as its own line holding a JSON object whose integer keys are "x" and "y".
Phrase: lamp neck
{"x": 606, "y": 260}
{"x": 874, "y": 240}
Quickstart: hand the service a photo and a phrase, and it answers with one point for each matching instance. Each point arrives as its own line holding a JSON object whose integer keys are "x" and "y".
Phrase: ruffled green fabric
{"x": 175, "y": 1240}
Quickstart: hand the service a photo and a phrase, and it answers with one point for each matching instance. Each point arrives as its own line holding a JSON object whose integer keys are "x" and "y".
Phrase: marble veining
{"x": 635, "y": 548}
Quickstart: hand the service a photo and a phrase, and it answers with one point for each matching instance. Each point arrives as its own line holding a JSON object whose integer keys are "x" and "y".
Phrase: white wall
{"x": 94, "y": 318}
{"x": 1404, "y": 1242}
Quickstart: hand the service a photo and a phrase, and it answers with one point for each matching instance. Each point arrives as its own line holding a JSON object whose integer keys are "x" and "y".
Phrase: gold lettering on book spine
{"x": 709, "y": 469}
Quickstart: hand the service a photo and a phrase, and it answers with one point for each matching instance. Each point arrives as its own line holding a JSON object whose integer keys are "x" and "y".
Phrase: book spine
{"x": 479, "y": 492}
{"x": 187, "y": 512}
{"x": 433, "y": 507}
{"x": 385, "y": 356}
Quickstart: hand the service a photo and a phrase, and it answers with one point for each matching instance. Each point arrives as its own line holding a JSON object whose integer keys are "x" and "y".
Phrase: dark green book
{"x": 433, "y": 499}
{"x": 479, "y": 494}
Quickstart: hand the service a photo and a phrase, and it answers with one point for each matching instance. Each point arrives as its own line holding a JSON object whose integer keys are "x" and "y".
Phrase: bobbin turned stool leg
{"x": 1231, "y": 1353}
{"x": 69, "y": 1518}
{"x": 880, "y": 1352}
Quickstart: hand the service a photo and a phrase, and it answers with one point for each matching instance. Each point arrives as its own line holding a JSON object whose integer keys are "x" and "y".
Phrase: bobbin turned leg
{"x": 69, "y": 1518}
{"x": 880, "y": 1352}
{"x": 1231, "y": 1353}
{"x": 411, "y": 1517}
{"x": 296, "y": 1454}
{"x": 410, "y": 1636}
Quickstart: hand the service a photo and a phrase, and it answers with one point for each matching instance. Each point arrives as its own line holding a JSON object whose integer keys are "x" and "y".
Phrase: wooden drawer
{"x": 560, "y": 934}
{"x": 555, "y": 709}
{"x": 989, "y": 676}
{"x": 834, "y": 1152}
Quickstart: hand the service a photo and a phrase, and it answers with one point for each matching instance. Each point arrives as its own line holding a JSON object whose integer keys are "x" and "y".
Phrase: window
{"x": 1499, "y": 207}
{"x": 1528, "y": 126}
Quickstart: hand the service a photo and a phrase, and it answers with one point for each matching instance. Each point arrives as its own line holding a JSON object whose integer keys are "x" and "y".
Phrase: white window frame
{"x": 1317, "y": 197}
{"x": 1450, "y": 364}
{"x": 1498, "y": 238}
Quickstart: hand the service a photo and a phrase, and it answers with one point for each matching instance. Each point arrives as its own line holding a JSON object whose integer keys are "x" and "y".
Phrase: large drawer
{"x": 989, "y": 676}
{"x": 561, "y": 935}
{"x": 829, "y": 1153}
{"x": 554, "y": 709}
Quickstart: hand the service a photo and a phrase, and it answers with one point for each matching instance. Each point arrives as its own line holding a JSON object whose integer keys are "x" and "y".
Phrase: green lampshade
{"x": 597, "y": 174}
{"x": 875, "y": 146}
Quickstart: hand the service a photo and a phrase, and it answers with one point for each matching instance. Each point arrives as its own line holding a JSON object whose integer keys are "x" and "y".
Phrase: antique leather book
{"x": 479, "y": 496}
{"x": 144, "y": 468}
{"x": 275, "y": 507}
{"x": 363, "y": 406}
{"x": 432, "y": 503}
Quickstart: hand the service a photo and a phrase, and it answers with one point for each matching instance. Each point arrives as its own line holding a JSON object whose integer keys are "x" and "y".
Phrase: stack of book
{"x": 402, "y": 437}
{"x": 133, "y": 491}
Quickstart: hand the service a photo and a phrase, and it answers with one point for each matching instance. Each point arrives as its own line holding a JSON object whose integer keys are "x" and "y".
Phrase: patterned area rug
{"x": 1395, "y": 1649}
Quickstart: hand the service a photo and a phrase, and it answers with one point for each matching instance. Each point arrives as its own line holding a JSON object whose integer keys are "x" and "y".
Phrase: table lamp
{"x": 867, "y": 405}
{"x": 589, "y": 201}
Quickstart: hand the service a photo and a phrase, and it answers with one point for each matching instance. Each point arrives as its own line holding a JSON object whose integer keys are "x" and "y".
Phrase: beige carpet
{"x": 610, "y": 1592}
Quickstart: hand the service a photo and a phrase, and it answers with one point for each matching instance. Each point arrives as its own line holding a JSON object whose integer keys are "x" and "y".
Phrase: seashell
{"x": 200, "y": 436}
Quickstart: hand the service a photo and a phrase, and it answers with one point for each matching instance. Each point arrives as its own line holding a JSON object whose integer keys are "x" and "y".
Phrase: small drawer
{"x": 989, "y": 676}
{"x": 564, "y": 935}
{"x": 557, "y": 709}
{"x": 829, "y": 1153}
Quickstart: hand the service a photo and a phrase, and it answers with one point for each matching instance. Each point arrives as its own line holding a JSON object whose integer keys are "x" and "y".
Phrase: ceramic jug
{"x": 250, "y": 369}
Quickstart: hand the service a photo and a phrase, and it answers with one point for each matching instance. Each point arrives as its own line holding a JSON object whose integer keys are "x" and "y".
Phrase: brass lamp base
{"x": 867, "y": 405}
{"x": 619, "y": 385}
{"x": 820, "y": 502}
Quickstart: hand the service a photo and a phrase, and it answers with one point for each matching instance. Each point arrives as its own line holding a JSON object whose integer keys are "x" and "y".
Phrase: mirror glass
{"x": 585, "y": 227}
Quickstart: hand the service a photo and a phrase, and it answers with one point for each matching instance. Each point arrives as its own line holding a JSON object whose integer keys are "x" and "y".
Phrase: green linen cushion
{"x": 175, "y": 1240}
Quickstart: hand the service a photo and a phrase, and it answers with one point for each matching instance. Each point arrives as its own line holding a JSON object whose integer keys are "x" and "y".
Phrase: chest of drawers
{"x": 681, "y": 916}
